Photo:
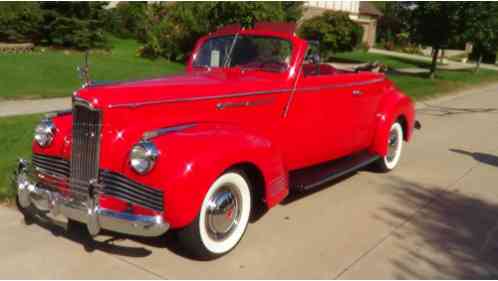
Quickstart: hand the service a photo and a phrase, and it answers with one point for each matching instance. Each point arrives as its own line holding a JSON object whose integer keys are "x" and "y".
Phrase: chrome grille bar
{"x": 121, "y": 187}
{"x": 85, "y": 147}
{"x": 53, "y": 165}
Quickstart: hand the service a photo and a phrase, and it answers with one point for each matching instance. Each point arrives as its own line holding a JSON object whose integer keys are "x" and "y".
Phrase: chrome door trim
{"x": 165, "y": 101}
{"x": 163, "y": 131}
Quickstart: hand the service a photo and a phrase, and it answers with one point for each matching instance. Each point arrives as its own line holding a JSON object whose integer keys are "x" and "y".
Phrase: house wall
{"x": 351, "y": 7}
{"x": 368, "y": 23}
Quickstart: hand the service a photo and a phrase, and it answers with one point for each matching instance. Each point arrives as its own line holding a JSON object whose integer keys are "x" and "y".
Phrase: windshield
{"x": 261, "y": 52}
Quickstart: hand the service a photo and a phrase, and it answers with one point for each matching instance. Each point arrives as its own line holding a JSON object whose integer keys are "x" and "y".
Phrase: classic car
{"x": 254, "y": 117}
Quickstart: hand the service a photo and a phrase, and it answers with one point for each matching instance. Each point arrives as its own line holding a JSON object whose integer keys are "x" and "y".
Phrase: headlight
{"x": 143, "y": 156}
{"x": 44, "y": 132}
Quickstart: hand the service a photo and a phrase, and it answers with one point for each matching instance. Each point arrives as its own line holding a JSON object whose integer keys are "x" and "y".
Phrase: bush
{"x": 171, "y": 29}
{"x": 74, "y": 33}
{"x": 335, "y": 32}
{"x": 72, "y": 25}
{"x": 126, "y": 20}
{"x": 19, "y": 22}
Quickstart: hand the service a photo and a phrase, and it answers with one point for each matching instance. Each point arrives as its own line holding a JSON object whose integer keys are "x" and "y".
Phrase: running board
{"x": 308, "y": 178}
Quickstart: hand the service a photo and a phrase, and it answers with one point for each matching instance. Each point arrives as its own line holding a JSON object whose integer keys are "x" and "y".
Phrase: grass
{"x": 53, "y": 73}
{"x": 16, "y": 137}
{"x": 419, "y": 86}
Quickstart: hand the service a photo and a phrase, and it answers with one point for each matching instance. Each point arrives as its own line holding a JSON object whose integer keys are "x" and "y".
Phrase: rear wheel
{"x": 222, "y": 219}
{"x": 394, "y": 149}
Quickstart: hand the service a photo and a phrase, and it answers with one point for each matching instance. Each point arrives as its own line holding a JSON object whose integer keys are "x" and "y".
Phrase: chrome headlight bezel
{"x": 143, "y": 157}
{"x": 45, "y": 132}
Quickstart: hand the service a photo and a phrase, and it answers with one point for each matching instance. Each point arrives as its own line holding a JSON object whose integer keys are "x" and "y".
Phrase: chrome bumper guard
{"x": 90, "y": 213}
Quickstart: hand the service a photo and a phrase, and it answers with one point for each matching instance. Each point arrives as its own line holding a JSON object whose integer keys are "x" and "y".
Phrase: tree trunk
{"x": 478, "y": 63}
{"x": 435, "y": 52}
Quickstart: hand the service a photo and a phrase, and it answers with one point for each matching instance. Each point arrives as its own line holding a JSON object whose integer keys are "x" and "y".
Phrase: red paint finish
{"x": 274, "y": 122}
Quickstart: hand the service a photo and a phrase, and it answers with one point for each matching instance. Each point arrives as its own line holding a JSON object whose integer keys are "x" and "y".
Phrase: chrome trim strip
{"x": 223, "y": 105}
{"x": 51, "y": 174}
{"x": 235, "y": 95}
{"x": 163, "y": 131}
{"x": 344, "y": 85}
{"x": 294, "y": 86}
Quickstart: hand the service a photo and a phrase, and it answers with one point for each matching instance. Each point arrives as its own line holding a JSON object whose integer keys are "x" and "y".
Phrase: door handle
{"x": 357, "y": 92}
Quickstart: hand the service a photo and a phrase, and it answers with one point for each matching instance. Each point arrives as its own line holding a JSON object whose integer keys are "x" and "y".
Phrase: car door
{"x": 317, "y": 122}
{"x": 366, "y": 95}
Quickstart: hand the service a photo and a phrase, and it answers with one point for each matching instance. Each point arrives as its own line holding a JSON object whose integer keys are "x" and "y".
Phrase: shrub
{"x": 172, "y": 29}
{"x": 73, "y": 25}
{"x": 19, "y": 22}
{"x": 74, "y": 33}
{"x": 335, "y": 32}
{"x": 126, "y": 20}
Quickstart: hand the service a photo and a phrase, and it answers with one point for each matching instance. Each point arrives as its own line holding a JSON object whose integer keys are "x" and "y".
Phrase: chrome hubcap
{"x": 392, "y": 147}
{"x": 223, "y": 212}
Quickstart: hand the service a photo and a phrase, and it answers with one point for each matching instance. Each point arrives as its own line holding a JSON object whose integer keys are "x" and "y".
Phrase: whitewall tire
{"x": 394, "y": 149}
{"x": 222, "y": 219}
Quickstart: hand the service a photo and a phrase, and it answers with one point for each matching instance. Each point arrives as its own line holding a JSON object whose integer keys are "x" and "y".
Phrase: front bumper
{"x": 30, "y": 193}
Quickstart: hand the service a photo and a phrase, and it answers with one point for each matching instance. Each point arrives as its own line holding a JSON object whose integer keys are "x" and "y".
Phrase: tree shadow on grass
{"x": 443, "y": 234}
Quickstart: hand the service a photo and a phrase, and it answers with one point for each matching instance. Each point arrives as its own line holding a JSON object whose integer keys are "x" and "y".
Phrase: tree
{"x": 334, "y": 30}
{"x": 436, "y": 23}
{"x": 396, "y": 19}
{"x": 126, "y": 20}
{"x": 20, "y": 21}
{"x": 481, "y": 28}
{"x": 73, "y": 24}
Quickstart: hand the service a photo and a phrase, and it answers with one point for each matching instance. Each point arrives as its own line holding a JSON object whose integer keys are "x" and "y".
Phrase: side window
{"x": 311, "y": 64}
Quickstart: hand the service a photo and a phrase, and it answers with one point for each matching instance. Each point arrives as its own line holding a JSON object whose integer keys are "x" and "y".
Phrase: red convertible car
{"x": 255, "y": 117}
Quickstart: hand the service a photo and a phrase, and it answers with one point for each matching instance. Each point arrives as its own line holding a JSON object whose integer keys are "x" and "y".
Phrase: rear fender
{"x": 192, "y": 159}
{"x": 393, "y": 106}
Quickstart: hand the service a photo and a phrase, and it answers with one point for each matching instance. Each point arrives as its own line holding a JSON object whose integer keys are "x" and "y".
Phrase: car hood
{"x": 185, "y": 87}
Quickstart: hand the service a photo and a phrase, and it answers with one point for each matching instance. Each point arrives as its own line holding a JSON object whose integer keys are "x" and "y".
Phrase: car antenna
{"x": 84, "y": 71}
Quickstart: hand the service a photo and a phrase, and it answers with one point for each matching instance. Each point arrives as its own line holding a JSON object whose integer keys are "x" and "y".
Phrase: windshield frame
{"x": 236, "y": 37}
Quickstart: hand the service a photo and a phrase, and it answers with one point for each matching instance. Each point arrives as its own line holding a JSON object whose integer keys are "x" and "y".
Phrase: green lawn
{"x": 419, "y": 86}
{"x": 53, "y": 73}
{"x": 15, "y": 139}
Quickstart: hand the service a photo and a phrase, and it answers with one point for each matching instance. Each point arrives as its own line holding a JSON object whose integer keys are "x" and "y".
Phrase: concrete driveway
{"x": 436, "y": 216}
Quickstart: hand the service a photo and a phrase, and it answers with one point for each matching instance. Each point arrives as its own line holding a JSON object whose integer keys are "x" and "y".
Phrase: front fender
{"x": 192, "y": 159}
{"x": 393, "y": 105}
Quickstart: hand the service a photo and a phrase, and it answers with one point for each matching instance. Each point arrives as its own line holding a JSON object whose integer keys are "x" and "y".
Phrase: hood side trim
{"x": 236, "y": 95}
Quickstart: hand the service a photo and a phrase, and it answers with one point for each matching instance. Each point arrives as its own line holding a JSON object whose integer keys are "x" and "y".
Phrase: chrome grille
{"x": 50, "y": 165}
{"x": 85, "y": 147}
{"x": 121, "y": 187}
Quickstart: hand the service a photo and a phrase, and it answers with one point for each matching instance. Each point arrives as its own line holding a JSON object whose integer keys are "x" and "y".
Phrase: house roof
{"x": 367, "y": 8}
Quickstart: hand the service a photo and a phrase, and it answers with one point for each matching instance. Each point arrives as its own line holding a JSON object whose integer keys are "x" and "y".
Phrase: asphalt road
{"x": 436, "y": 216}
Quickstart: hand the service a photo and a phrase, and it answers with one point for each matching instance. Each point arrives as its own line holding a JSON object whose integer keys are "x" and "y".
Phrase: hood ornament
{"x": 84, "y": 72}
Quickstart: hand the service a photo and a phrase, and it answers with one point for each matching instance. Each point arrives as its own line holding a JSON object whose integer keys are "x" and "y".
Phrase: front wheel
{"x": 222, "y": 219}
{"x": 394, "y": 148}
